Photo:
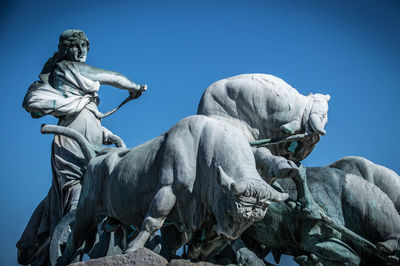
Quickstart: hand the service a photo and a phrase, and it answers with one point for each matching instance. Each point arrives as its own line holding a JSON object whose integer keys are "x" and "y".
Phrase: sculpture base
{"x": 141, "y": 256}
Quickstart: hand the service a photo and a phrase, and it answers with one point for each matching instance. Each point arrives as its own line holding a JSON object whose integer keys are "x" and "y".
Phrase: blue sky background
{"x": 348, "y": 49}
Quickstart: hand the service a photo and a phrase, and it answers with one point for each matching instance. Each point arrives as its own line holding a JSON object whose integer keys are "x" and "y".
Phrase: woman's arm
{"x": 107, "y": 77}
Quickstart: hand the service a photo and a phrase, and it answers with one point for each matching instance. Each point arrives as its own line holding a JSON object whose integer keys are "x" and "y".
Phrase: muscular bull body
{"x": 263, "y": 106}
{"x": 351, "y": 201}
{"x": 201, "y": 170}
{"x": 387, "y": 180}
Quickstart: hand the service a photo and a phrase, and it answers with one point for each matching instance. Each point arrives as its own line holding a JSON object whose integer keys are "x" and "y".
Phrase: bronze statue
{"x": 206, "y": 180}
{"x": 67, "y": 89}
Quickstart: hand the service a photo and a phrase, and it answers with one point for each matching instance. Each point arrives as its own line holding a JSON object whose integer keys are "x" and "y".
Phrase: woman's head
{"x": 74, "y": 45}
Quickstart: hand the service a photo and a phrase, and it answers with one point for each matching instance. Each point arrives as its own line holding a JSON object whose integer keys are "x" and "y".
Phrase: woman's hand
{"x": 107, "y": 136}
{"x": 136, "y": 93}
{"x": 110, "y": 138}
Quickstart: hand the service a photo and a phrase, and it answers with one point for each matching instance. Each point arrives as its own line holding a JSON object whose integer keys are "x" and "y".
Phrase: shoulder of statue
{"x": 64, "y": 63}
{"x": 69, "y": 66}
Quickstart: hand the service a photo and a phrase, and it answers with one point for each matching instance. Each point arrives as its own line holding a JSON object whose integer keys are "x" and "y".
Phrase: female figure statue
{"x": 67, "y": 90}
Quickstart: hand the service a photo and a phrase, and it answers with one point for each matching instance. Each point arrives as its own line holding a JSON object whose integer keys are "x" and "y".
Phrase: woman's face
{"x": 78, "y": 51}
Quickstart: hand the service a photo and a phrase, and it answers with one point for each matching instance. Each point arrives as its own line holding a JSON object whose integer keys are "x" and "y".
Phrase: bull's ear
{"x": 224, "y": 180}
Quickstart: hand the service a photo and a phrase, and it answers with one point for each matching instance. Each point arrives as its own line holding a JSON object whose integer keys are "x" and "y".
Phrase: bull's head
{"x": 244, "y": 202}
{"x": 319, "y": 113}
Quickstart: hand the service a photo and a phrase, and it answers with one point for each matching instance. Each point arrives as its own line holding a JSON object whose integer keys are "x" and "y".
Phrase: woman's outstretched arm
{"x": 107, "y": 77}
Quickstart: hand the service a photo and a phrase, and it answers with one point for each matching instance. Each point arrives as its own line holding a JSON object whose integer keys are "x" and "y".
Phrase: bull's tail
{"x": 87, "y": 150}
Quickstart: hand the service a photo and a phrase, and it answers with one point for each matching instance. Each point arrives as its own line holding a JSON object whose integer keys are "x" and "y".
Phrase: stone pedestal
{"x": 140, "y": 257}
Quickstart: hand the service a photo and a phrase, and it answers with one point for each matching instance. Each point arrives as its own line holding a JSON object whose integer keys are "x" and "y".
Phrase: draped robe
{"x": 72, "y": 98}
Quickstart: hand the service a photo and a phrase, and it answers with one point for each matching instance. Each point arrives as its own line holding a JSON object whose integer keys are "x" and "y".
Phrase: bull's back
{"x": 353, "y": 202}
{"x": 260, "y": 100}
{"x": 387, "y": 180}
{"x": 206, "y": 140}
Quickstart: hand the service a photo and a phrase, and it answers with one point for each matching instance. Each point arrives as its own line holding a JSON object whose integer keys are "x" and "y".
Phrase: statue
{"x": 283, "y": 128}
{"x": 208, "y": 181}
{"x": 67, "y": 90}
{"x": 282, "y": 125}
{"x": 201, "y": 171}
{"x": 266, "y": 107}
{"x": 359, "y": 223}
{"x": 385, "y": 179}
{"x": 363, "y": 225}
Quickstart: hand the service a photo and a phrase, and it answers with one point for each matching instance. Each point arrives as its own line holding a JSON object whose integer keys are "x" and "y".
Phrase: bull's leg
{"x": 172, "y": 240}
{"x": 245, "y": 256}
{"x": 83, "y": 229}
{"x": 309, "y": 207}
{"x": 160, "y": 207}
{"x": 272, "y": 166}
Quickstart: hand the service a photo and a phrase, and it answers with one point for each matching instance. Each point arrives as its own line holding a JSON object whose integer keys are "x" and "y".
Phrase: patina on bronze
{"x": 67, "y": 89}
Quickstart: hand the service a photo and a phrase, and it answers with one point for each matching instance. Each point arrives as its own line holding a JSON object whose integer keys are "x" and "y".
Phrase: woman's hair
{"x": 67, "y": 39}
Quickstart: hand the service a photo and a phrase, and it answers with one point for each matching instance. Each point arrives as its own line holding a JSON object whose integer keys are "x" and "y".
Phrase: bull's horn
{"x": 316, "y": 124}
{"x": 327, "y": 97}
{"x": 238, "y": 188}
{"x": 275, "y": 195}
{"x": 224, "y": 180}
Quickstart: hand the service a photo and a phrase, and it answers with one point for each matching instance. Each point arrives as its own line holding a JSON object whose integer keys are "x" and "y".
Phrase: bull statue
{"x": 266, "y": 107}
{"x": 359, "y": 224}
{"x": 384, "y": 178}
{"x": 363, "y": 225}
{"x": 201, "y": 171}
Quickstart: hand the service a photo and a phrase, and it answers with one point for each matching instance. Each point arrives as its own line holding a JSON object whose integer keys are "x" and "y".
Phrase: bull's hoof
{"x": 247, "y": 257}
{"x": 308, "y": 260}
{"x": 388, "y": 246}
{"x": 132, "y": 248}
{"x": 285, "y": 168}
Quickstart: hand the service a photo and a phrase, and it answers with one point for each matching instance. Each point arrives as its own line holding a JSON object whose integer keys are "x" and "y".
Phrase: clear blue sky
{"x": 348, "y": 49}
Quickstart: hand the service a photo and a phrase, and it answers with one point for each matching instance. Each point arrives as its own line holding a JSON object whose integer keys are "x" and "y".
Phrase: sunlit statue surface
{"x": 67, "y": 90}
{"x": 352, "y": 206}
{"x": 228, "y": 182}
